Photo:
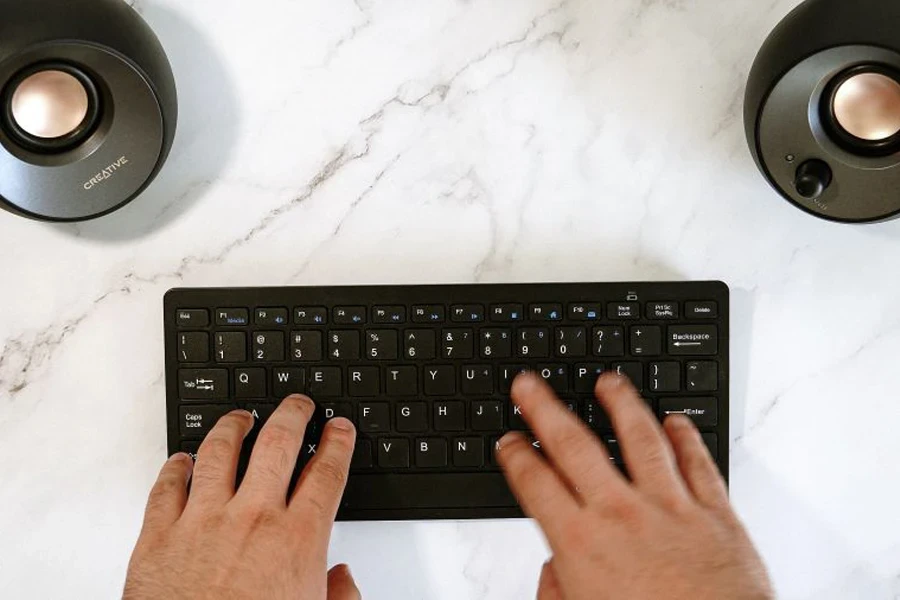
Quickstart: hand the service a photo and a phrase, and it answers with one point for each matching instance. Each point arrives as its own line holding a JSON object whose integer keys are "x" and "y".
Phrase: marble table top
{"x": 354, "y": 141}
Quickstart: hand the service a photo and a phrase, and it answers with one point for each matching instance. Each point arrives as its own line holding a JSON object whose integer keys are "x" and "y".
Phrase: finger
{"x": 217, "y": 459}
{"x": 322, "y": 482}
{"x": 646, "y": 451}
{"x": 581, "y": 459}
{"x": 548, "y": 586}
{"x": 540, "y": 491}
{"x": 276, "y": 450}
{"x": 169, "y": 494}
{"x": 341, "y": 585}
{"x": 696, "y": 464}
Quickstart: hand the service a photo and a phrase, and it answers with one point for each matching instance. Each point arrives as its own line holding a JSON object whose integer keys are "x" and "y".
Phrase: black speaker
{"x": 822, "y": 109}
{"x": 88, "y": 107}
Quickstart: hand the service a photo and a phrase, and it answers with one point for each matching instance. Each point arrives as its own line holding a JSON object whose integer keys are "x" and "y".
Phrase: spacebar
{"x": 440, "y": 490}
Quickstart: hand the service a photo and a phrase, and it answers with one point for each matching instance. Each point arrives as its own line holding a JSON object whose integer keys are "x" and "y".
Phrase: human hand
{"x": 249, "y": 543}
{"x": 668, "y": 533}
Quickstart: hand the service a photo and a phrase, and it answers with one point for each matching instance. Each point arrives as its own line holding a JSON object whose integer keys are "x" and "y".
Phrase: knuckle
{"x": 300, "y": 403}
{"x": 343, "y": 439}
{"x": 216, "y": 448}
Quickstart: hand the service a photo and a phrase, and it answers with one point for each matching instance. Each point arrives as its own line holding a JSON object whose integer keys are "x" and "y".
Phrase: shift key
{"x": 693, "y": 340}
{"x": 203, "y": 384}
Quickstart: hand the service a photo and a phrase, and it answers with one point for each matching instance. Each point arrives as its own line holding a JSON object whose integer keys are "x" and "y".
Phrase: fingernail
{"x": 245, "y": 414}
{"x": 341, "y": 423}
{"x": 188, "y": 461}
{"x": 347, "y": 570}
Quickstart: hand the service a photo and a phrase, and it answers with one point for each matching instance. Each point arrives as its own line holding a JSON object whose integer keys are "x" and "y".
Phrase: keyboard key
{"x": 615, "y": 451}
{"x": 310, "y": 315}
{"x": 487, "y": 415}
{"x": 594, "y": 415}
{"x": 332, "y": 410}
{"x": 412, "y": 417}
{"x": 609, "y": 341}
{"x": 449, "y": 416}
{"x": 306, "y": 346}
{"x": 250, "y": 383}
{"x": 665, "y": 377}
{"x": 440, "y": 381}
{"x": 496, "y": 343}
{"x": 231, "y": 347}
{"x": 457, "y": 344}
{"x": 546, "y": 312}
{"x": 586, "y": 375}
{"x": 343, "y": 345}
{"x": 203, "y": 384}
{"x": 393, "y": 453}
{"x": 363, "y": 381}
{"x": 268, "y": 346}
{"x": 516, "y": 420}
{"x": 260, "y": 412}
{"x": 374, "y": 417}
{"x": 712, "y": 443}
{"x": 401, "y": 381}
{"x": 701, "y": 310}
{"x": 419, "y": 344}
{"x": 287, "y": 381}
{"x": 232, "y": 316}
{"x": 431, "y": 453}
{"x": 468, "y": 452}
{"x": 381, "y": 344}
{"x": 533, "y": 342}
{"x": 431, "y": 313}
{"x": 633, "y": 371}
{"x": 703, "y": 411}
{"x": 191, "y": 448}
{"x": 571, "y": 342}
{"x": 703, "y": 376}
{"x": 585, "y": 311}
{"x": 478, "y": 380}
{"x": 662, "y": 310}
{"x": 196, "y": 421}
{"x": 508, "y": 373}
{"x": 623, "y": 311}
{"x": 646, "y": 340}
{"x": 557, "y": 376}
{"x": 349, "y": 315}
{"x": 693, "y": 340}
{"x": 193, "y": 347}
{"x": 324, "y": 382}
{"x": 362, "y": 455}
{"x": 507, "y": 313}
{"x": 467, "y": 313}
{"x": 271, "y": 317}
{"x": 192, "y": 317}
{"x": 383, "y": 315}
{"x": 493, "y": 448}
{"x": 423, "y": 491}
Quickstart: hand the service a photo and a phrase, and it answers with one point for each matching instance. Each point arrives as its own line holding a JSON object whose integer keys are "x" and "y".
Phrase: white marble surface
{"x": 341, "y": 141}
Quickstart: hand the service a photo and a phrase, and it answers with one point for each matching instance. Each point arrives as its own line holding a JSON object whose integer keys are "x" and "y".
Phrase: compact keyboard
{"x": 425, "y": 372}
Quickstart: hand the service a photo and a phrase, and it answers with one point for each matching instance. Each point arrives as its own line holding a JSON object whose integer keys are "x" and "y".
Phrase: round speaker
{"x": 88, "y": 107}
{"x": 822, "y": 109}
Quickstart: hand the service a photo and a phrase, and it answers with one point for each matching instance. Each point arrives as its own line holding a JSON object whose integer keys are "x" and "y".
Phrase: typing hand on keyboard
{"x": 668, "y": 533}
{"x": 251, "y": 543}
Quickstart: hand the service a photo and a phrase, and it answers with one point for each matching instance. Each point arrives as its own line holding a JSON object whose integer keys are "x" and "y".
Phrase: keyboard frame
{"x": 484, "y": 294}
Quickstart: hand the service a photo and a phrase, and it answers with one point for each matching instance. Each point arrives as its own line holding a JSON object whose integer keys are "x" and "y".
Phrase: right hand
{"x": 668, "y": 533}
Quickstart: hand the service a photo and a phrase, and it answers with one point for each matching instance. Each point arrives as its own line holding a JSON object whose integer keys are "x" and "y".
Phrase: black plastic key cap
{"x": 440, "y": 380}
{"x": 250, "y": 383}
{"x": 486, "y": 415}
{"x": 702, "y": 376}
{"x": 268, "y": 346}
{"x": 496, "y": 343}
{"x": 477, "y": 380}
{"x": 468, "y": 452}
{"x": 402, "y": 380}
{"x": 192, "y": 317}
{"x": 363, "y": 381}
{"x": 270, "y": 317}
{"x": 586, "y": 376}
{"x": 412, "y": 491}
{"x": 287, "y": 381}
{"x": 381, "y": 344}
{"x": 431, "y": 453}
{"x": 196, "y": 421}
{"x": 232, "y": 316}
{"x": 393, "y": 453}
{"x": 362, "y": 455}
{"x": 374, "y": 417}
{"x": 693, "y": 340}
{"x": 383, "y": 315}
{"x": 468, "y": 313}
{"x": 449, "y": 416}
{"x": 533, "y": 342}
{"x": 633, "y": 371}
{"x": 665, "y": 377}
{"x": 507, "y": 313}
{"x": 571, "y": 342}
{"x": 306, "y": 346}
{"x": 343, "y": 345}
{"x": 419, "y": 344}
{"x": 203, "y": 384}
{"x": 609, "y": 341}
{"x": 703, "y": 411}
{"x": 431, "y": 313}
{"x": 310, "y": 315}
{"x": 193, "y": 347}
{"x": 412, "y": 417}
{"x": 349, "y": 315}
{"x": 325, "y": 382}
{"x": 646, "y": 340}
{"x": 231, "y": 347}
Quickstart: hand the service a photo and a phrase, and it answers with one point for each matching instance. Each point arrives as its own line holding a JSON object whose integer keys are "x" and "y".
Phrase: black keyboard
{"x": 425, "y": 371}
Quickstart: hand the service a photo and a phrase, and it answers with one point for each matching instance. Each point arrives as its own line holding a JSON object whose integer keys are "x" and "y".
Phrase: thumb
{"x": 341, "y": 585}
{"x": 548, "y": 586}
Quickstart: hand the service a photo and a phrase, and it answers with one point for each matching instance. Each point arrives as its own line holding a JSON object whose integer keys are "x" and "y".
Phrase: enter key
{"x": 703, "y": 411}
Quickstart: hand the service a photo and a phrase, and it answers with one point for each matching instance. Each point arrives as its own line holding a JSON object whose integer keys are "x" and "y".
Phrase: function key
{"x": 271, "y": 316}
{"x": 662, "y": 310}
{"x": 192, "y": 317}
{"x": 383, "y": 315}
{"x": 428, "y": 313}
{"x": 507, "y": 313}
{"x": 546, "y": 312}
{"x": 232, "y": 316}
{"x": 467, "y": 313}
{"x": 350, "y": 315}
{"x": 623, "y": 310}
{"x": 310, "y": 315}
{"x": 701, "y": 310}
{"x": 585, "y": 311}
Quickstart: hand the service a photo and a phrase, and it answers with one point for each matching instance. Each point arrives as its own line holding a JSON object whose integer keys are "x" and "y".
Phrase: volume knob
{"x": 813, "y": 178}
